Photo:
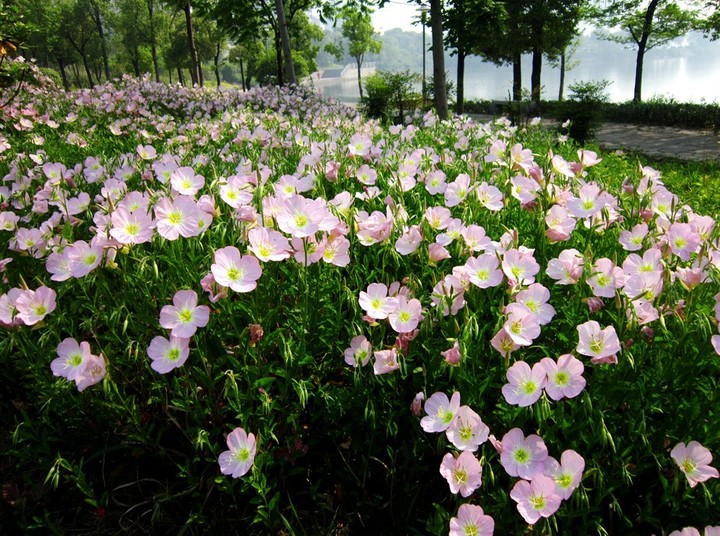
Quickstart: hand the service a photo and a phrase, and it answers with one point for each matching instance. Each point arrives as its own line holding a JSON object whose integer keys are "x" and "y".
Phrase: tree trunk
{"x": 88, "y": 71}
{"x": 136, "y": 62}
{"x": 642, "y": 46}
{"x": 181, "y": 78}
{"x": 517, "y": 77}
{"x": 358, "y": 61}
{"x": 194, "y": 61}
{"x": 96, "y": 16}
{"x": 153, "y": 39}
{"x": 278, "y": 61}
{"x": 63, "y": 74}
{"x": 562, "y": 76}
{"x": 242, "y": 75}
{"x": 438, "y": 51}
{"x": 217, "y": 64}
{"x": 285, "y": 38}
{"x": 535, "y": 75}
{"x": 460, "y": 105}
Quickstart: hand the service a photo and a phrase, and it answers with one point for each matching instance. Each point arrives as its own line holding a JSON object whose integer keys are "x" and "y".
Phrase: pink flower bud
{"x": 416, "y": 406}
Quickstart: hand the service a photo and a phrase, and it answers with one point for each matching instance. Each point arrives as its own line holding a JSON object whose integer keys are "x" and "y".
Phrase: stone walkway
{"x": 672, "y": 142}
{"x": 661, "y": 141}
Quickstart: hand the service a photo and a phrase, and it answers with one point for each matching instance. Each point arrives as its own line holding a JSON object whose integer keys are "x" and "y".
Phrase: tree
{"x": 357, "y": 28}
{"x": 645, "y": 25}
{"x": 438, "y": 54}
{"x": 553, "y": 24}
{"x": 465, "y": 20}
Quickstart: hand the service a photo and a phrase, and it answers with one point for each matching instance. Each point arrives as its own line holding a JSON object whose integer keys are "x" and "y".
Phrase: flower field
{"x": 260, "y": 313}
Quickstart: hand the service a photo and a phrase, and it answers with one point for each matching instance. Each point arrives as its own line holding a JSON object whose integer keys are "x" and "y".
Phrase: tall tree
{"x": 357, "y": 28}
{"x": 645, "y": 25}
{"x": 438, "y": 54}
{"x": 465, "y": 20}
{"x": 96, "y": 12}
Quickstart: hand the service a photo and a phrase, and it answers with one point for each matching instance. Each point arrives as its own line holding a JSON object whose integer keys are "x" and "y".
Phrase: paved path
{"x": 673, "y": 142}
{"x": 661, "y": 141}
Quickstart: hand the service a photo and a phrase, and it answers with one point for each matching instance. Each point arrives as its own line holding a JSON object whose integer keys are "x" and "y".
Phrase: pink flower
{"x": 359, "y": 352}
{"x": 457, "y": 191}
{"x": 435, "y": 182}
{"x": 471, "y": 520}
{"x": 525, "y": 385}
{"x": 633, "y": 240}
{"x": 567, "y": 268}
{"x": 536, "y": 498}
{"x": 600, "y": 344}
{"x": 373, "y": 228}
{"x": 687, "y": 531}
{"x": 564, "y": 378}
{"x": 535, "y": 298}
{"x": 366, "y": 175}
{"x": 490, "y": 197}
{"x": 560, "y": 224}
{"x": 300, "y": 217}
{"x": 131, "y": 227}
{"x": 588, "y": 203}
{"x": 683, "y": 240}
{"x": 463, "y": 473}
{"x": 604, "y": 279}
{"x": 336, "y": 251}
{"x": 524, "y": 189}
{"x": 376, "y": 302}
{"x": 268, "y": 245}
{"x": 521, "y": 456}
{"x": 239, "y": 272}
{"x": 437, "y": 252}
{"x": 215, "y": 291}
{"x": 239, "y": 459}
{"x": 522, "y": 325}
{"x": 34, "y": 305}
{"x": 448, "y": 295}
{"x": 167, "y": 354}
{"x": 440, "y": 412}
{"x": 452, "y": 354}
{"x": 177, "y": 217}
{"x": 484, "y": 271}
{"x": 185, "y": 181}
{"x": 694, "y": 460}
{"x": 185, "y": 315}
{"x": 409, "y": 241}
{"x": 566, "y": 474}
{"x": 467, "y": 431}
{"x": 503, "y": 343}
{"x": 406, "y": 316}
{"x": 520, "y": 267}
{"x": 92, "y": 371}
{"x": 82, "y": 258}
{"x": 385, "y": 361}
{"x": 475, "y": 238}
{"x": 416, "y": 405}
{"x": 438, "y": 217}
{"x": 71, "y": 357}
{"x": 715, "y": 341}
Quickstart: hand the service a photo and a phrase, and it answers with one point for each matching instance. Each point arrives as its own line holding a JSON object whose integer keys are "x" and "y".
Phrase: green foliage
{"x": 584, "y": 109}
{"x": 389, "y": 96}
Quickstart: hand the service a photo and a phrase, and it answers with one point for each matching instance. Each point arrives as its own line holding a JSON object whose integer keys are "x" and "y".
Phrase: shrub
{"x": 390, "y": 96}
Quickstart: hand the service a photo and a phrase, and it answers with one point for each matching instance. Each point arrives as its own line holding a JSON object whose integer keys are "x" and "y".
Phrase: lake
{"x": 687, "y": 71}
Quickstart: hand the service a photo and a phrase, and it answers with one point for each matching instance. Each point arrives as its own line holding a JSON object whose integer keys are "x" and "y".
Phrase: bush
{"x": 390, "y": 96}
{"x": 584, "y": 109}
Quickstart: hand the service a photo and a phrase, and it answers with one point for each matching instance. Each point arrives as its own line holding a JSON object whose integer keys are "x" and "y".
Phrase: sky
{"x": 396, "y": 14}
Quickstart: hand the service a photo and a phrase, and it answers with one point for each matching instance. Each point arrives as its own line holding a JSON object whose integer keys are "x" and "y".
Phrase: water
{"x": 686, "y": 72}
